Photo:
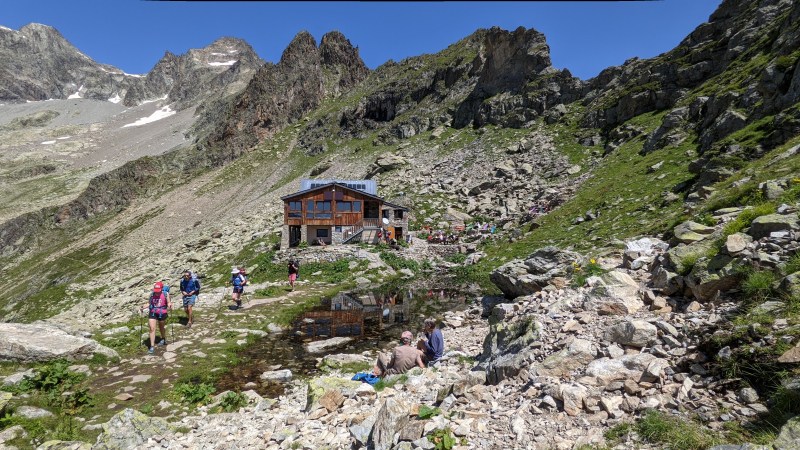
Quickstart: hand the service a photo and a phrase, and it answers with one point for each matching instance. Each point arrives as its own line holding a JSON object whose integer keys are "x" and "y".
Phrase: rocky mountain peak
{"x": 225, "y": 52}
{"x": 339, "y": 54}
{"x": 188, "y": 79}
{"x": 512, "y": 58}
{"x": 280, "y": 93}
{"x": 302, "y": 48}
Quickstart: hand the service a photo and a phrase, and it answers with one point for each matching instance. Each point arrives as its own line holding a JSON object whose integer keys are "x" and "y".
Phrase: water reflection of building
{"x": 345, "y": 313}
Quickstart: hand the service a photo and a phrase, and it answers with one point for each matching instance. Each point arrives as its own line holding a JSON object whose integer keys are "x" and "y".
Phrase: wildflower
{"x": 592, "y": 261}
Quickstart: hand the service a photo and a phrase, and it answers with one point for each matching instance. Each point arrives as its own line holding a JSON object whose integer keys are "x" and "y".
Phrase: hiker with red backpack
{"x": 159, "y": 305}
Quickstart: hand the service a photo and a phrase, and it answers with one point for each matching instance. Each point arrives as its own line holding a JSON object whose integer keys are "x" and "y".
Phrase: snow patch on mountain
{"x": 158, "y": 115}
{"x": 77, "y": 94}
{"x": 225, "y": 63}
{"x": 115, "y": 99}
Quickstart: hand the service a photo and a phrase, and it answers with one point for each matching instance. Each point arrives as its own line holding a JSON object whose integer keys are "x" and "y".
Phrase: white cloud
{"x": 158, "y": 115}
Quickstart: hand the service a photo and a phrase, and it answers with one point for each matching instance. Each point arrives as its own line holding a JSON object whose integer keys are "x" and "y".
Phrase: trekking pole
{"x": 222, "y": 300}
{"x": 172, "y": 328}
{"x": 141, "y": 326}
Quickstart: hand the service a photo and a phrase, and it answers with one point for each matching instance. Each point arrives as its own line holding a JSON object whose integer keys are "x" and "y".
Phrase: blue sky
{"x": 584, "y": 37}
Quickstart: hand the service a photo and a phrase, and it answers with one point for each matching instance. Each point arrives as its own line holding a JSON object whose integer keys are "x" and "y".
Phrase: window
{"x": 398, "y": 214}
{"x": 322, "y": 210}
{"x": 310, "y": 209}
{"x": 322, "y": 232}
{"x": 295, "y": 209}
{"x": 385, "y": 213}
{"x": 356, "y": 206}
{"x": 344, "y": 206}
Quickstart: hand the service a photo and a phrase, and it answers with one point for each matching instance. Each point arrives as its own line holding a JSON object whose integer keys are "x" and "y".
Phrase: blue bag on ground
{"x": 366, "y": 378}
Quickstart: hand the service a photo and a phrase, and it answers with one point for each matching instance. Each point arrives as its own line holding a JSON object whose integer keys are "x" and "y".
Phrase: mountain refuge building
{"x": 340, "y": 212}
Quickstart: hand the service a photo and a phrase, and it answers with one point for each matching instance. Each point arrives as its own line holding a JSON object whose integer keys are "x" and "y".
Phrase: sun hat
{"x": 235, "y": 271}
{"x": 158, "y": 286}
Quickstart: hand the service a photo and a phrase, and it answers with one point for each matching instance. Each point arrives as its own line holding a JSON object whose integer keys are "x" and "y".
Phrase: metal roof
{"x": 317, "y": 188}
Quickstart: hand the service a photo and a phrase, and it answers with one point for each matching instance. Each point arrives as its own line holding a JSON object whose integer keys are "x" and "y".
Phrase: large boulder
{"x": 560, "y": 364}
{"x": 789, "y": 438}
{"x": 5, "y": 397}
{"x": 791, "y": 284}
{"x": 636, "y": 333}
{"x": 667, "y": 282}
{"x": 393, "y": 416}
{"x": 608, "y": 370}
{"x": 616, "y": 291}
{"x": 689, "y": 232}
{"x": 764, "y": 225}
{"x": 386, "y": 163}
{"x": 708, "y": 277}
{"x": 518, "y": 278}
{"x": 42, "y": 342}
{"x": 682, "y": 258}
{"x": 322, "y": 386}
{"x": 507, "y": 347}
{"x": 641, "y": 252}
{"x": 128, "y": 429}
{"x": 327, "y": 344}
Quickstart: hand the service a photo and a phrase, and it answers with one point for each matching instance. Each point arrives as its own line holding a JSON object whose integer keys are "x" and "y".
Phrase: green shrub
{"x": 746, "y": 217}
{"x": 706, "y": 219}
{"x": 52, "y": 379}
{"x": 757, "y": 285}
{"x": 270, "y": 291}
{"x": 792, "y": 266}
{"x": 442, "y": 439}
{"x": 232, "y": 401}
{"x": 194, "y": 393}
{"x": 390, "y": 382}
{"x": 580, "y": 273}
{"x": 397, "y": 262}
{"x": 456, "y": 258}
{"x": 674, "y": 433}
{"x": 687, "y": 263}
{"x": 426, "y": 412}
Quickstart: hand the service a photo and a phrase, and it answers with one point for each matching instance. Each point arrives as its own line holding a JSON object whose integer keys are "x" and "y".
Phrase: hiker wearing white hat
{"x": 238, "y": 280}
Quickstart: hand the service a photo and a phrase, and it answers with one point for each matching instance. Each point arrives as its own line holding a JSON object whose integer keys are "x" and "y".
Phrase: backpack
{"x": 196, "y": 282}
{"x": 158, "y": 304}
{"x": 237, "y": 280}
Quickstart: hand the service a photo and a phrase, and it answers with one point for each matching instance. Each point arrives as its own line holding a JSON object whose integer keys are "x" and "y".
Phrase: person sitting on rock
{"x": 432, "y": 347}
{"x": 404, "y": 358}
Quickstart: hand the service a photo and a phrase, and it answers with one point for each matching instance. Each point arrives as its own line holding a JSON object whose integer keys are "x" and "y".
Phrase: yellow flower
{"x": 592, "y": 261}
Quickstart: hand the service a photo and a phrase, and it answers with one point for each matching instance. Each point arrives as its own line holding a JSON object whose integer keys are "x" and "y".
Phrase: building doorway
{"x": 294, "y": 235}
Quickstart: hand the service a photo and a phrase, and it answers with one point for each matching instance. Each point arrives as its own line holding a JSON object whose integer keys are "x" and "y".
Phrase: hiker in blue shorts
{"x": 190, "y": 287}
{"x": 238, "y": 280}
